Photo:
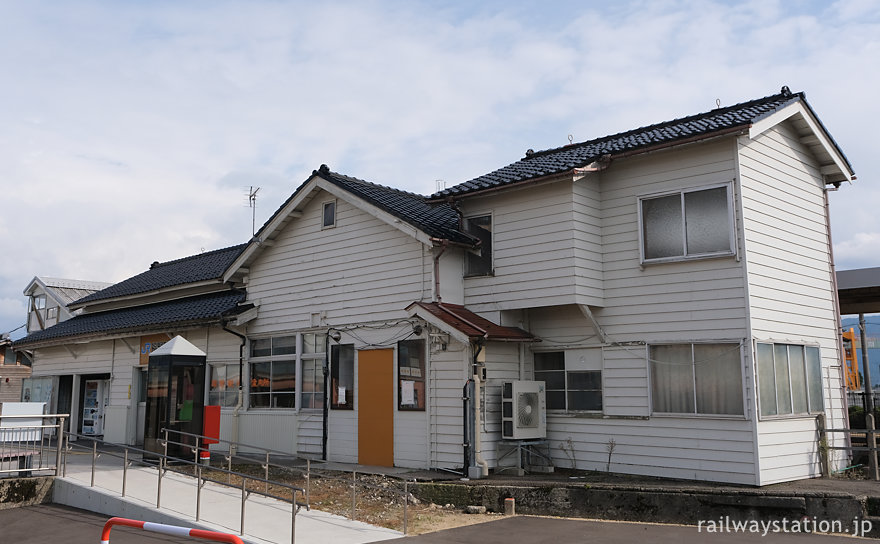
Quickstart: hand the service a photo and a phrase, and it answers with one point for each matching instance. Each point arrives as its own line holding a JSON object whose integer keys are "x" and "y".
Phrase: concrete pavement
{"x": 267, "y": 520}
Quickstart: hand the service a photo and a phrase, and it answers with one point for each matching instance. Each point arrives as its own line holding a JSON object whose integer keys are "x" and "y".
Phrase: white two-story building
{"x": 672, "y": 286}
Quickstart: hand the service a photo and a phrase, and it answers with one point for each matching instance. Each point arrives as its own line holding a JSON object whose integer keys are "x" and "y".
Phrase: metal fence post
{"x": 405, "y": 503}
{"x": 59, "y": 443}
{"x": 872, "y": 446}
{"x": 94, "y": 459}
{"x": 266, "y": 472}
{"x": 293, "y": 519}
{"x": 308, "y": 480}
{"x": 198, "y": 491}
{"x": 243, "y": 498}
{"x": 124, "y": 470}
{"x": 353, "y": 492}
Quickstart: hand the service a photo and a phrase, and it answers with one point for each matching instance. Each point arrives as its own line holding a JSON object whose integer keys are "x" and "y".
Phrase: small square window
{"x": 329, "y": 214}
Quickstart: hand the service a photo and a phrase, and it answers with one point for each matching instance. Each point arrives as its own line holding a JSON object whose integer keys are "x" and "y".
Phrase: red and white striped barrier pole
{"x": 172, "y": 530}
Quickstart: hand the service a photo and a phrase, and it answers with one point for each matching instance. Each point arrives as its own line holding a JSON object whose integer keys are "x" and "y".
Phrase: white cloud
{"x": 133, "y": 129}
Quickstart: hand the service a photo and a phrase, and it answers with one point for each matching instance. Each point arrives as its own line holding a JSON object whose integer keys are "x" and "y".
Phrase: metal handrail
{"x": 307, "y": 474}
{"x": 163, "y": 467}
{"x": 17, "y": 432}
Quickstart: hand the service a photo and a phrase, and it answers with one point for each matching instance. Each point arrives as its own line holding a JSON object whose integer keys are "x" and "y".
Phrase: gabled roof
{"x": 202, "y": 267}
{"x": 63, "y": 290}
{"x": 709, "y": 124}
{"x": 437, "y": 220}
{"x": 192, "y": 311}
{"x": 458, "y": 319}
{"x": 423, "y": 220}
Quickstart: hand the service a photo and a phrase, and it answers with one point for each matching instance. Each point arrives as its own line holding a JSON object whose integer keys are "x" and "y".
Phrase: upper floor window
{"x": 329, "y": 214}
{"x": 789, "y": 379}
{"x": 696, "y": 379}
{"x": 38, "y": 302}
{"x": 686, "y": 224}
{"x": 480, "y": 263}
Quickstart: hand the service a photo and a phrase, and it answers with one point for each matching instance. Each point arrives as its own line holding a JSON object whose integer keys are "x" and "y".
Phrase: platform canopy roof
{"x": 859, "y": 291}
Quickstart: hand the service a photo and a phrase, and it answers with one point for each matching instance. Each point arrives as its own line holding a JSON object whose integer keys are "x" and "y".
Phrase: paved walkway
{"x": 266, "y": 520}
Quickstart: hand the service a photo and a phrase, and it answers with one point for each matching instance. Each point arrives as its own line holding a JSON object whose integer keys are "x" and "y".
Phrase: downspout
{"x": 478, "y": 449}
{"x": 443, "y": 245}
{"x": 326, "y": 409}
{"x": 233, "y": 446}
{"x": 840, "y": 352}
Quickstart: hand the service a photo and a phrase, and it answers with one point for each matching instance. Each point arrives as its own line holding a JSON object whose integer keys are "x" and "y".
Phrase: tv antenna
{"x": 252, "y": 204}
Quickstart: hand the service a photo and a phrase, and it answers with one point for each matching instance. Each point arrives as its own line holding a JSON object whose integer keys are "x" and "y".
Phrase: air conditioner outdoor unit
{"x": 523, "y": 410}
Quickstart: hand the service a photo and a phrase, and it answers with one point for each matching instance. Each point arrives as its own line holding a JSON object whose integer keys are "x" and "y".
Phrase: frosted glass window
{"x": 789, "y": 379}
{"x": 707, "y": 221}
{"x": 686, "y": 224}
{"x": 696, "y": 379}
{"x": 661, "y": 224}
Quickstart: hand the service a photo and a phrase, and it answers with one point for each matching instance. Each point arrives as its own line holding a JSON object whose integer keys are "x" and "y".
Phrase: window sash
{"x": 789, "y": 379}
{"x": 411, "y": 368}
{"x": 569, "y": 390}
{"x": 700, "y": 379}
{"x": 686, "y": 224}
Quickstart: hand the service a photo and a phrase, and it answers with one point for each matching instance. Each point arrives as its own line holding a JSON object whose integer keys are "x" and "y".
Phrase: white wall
{"x": 790, "y": 286}
{"x": 360, "y": 270}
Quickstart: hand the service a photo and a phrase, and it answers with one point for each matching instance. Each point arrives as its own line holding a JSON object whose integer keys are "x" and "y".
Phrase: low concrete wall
{"x": 687, "y": 506}
{"x": 16, "y": 492}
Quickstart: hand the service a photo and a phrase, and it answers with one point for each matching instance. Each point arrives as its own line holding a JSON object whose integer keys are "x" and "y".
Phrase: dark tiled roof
{"x": 562, "y": 159}
{"x": 438, "y": 220}
{"x": 204, "y": 266}
{"x": 471, "y": 324}
{"x": 193, "y": 310}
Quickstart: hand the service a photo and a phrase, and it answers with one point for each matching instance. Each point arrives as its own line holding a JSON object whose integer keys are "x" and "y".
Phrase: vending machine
{"x": 93, "y": 407}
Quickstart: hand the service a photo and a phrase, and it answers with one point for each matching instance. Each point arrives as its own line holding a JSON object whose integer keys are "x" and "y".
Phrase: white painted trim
{"x": 824, "y": 138}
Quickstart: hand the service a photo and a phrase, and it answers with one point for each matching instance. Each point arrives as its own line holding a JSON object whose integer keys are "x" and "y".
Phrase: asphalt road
{"x": 51, "y": 524}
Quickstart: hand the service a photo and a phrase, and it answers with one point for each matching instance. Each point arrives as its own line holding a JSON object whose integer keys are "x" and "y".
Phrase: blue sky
{"x": 132, "y": 130}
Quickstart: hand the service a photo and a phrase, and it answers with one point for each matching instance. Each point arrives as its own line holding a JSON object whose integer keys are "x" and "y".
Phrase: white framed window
{"x": 572, "y": 382}
{"x": 687, "y": 224}
{"x": 789, "y": 379}
{"x": 696, "y": 379}
{"x": 312, "y": 364}
{"x": 479, "y": 261}
{"x": 328, "y": 214}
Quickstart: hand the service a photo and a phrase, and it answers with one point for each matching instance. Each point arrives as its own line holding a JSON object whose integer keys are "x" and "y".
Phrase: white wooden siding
{"x": 686, "y": 448}
{"x": 790, "y": 285}
{"x": 448, "y": 374}
{"x": 701, "y": 299}
{"x": 361, "y": 270}
{"x": 538, "y": 258}
{"x": 502, "y": 364}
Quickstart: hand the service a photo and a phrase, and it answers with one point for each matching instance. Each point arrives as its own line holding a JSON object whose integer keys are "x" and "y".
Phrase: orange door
{"x": 376, "y": 407}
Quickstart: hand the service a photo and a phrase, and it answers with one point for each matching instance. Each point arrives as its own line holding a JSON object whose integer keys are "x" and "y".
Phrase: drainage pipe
{"x": 233, "y": 445}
